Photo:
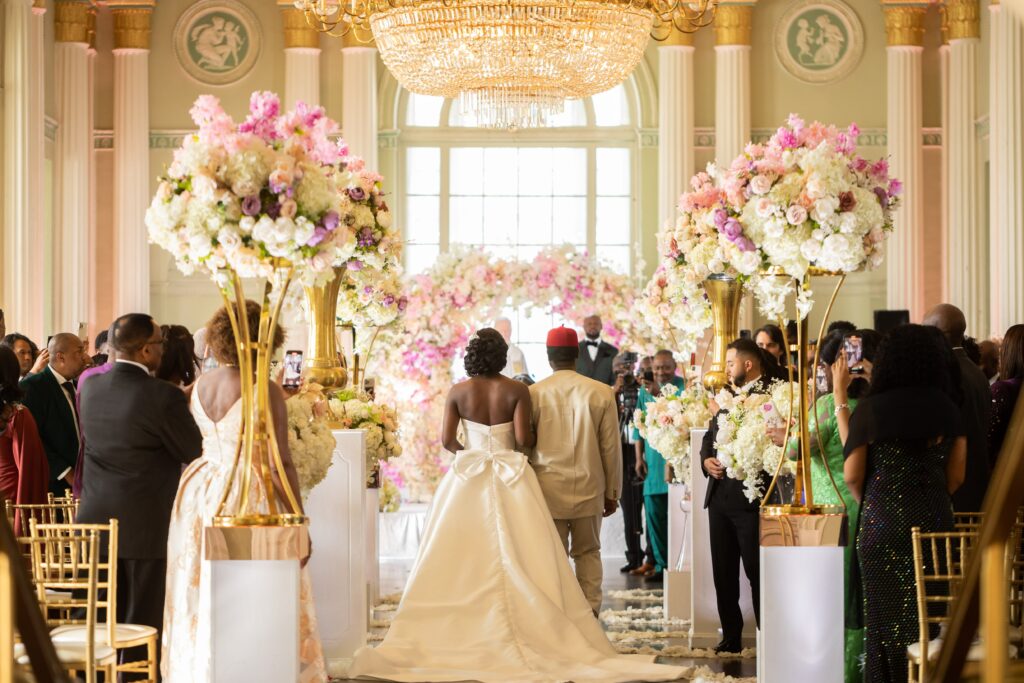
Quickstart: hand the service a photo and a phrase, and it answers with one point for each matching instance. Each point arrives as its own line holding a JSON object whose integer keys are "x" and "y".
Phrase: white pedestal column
{"x": 967, "y": 237}
{"x": 359, "y": 100}
{"x": 678, "y": 575}
{"x": 74, "y": 149}
{"x": 904, "y": 257}
{"x": 337, "y": 514}
{"x": 705, "y": 626}
{"x": 1006, "y": 166}
{"x": 801, "y": 637}
{"x": 22, "y": 158}
{"x": 675, "y": 122}
{"x": 372, "y": 546}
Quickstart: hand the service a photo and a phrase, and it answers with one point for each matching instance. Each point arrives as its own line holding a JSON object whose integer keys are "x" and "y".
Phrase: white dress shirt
{"x": 592, "y": 348}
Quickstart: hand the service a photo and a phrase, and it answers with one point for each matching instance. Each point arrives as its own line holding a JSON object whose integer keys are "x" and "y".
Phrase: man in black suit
{"x": 50, "y": 397}
{"x": 138, "y": 433}
{"x": 733, "y": 520}
{"x": 975, "y": 406}
{"x": 596, "y": 356}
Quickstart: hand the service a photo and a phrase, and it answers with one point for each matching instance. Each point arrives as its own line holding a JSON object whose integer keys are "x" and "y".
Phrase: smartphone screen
{"x": 292, "y": 368}
{"x": 83, "y": 332}
{"x": 821, "y": 379}
{"x": 853, "y": 347}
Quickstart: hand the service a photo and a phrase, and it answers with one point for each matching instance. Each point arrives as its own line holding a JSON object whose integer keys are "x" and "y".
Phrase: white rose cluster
{"x": 667, "y": 422}
{"x": 310, "y": 439}
{"x": 380, "y": 422}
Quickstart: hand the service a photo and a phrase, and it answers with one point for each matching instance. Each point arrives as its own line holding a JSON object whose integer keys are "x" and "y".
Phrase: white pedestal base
{"x": 337, "y": 569}
{"x": 705, "y": 627}
{"x": 678, "y": 603}
{"x": 372, "y": 547}
{"x": 255, "y": 620}
{"x": 802, "y": 620}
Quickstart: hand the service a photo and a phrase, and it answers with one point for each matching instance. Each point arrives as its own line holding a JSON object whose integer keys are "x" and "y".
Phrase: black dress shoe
{"x": 653, "y": 577}
{"x": 627, "y": 568}
{"x": 728, "y": 646}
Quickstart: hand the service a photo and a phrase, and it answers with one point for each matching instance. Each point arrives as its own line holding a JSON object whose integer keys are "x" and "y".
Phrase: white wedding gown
{"x": 491, "y": 596}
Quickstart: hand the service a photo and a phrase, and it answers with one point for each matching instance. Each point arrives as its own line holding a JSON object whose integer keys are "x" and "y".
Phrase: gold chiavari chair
{"x": 71, "y": 631}
{"x": 1015, "y": 573}
{"x": 968, "y": 521}
{"x": 66, "y": 572}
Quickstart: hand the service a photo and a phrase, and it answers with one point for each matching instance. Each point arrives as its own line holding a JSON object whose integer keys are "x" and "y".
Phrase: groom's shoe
{"x": 728, "y": 647}
{"x": 627, "y": 568}
{"x": 643, "y": 569}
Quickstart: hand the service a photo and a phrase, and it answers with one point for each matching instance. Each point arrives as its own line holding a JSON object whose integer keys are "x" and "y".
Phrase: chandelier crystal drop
{"x": 511, "y": 63}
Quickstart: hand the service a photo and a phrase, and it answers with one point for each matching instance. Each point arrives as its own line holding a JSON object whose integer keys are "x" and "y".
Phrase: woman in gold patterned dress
{"x": 216, "y": 406}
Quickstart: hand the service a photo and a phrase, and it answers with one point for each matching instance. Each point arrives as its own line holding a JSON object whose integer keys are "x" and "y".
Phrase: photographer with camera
{"x": 627, "y": 393}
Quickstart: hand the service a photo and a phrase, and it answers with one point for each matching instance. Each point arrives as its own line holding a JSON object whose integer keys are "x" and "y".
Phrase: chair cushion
{"x": 71, "y": 654}
{"x": 975, "y": 654}
{"x": 123, "y": 633}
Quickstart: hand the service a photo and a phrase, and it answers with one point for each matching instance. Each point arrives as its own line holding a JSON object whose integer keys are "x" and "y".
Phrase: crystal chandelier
{"x": 513, "y": 63}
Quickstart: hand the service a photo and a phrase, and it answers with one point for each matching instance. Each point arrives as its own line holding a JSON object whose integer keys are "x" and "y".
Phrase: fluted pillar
{"x": 733, "y": 27}
{"x": 301, "y": 58}
{"x": 1006, "y": 166}
{"x": 675, "y": 121}
{"x": 944, "y": 124}
{"x": 904, "y": 259}
{"x": 131, "y": 155}
{"x": 23, "y": 210}
{"x": 359, "y": 98}
{"x": 74, "y": 141}
{"x": 966, "y": 237}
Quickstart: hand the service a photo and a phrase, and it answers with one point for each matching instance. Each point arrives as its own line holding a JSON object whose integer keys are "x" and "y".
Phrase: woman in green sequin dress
{"x": 905, "y": 455}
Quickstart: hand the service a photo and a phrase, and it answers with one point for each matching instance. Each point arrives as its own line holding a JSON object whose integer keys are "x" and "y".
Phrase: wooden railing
{"x": 983, "y": 600}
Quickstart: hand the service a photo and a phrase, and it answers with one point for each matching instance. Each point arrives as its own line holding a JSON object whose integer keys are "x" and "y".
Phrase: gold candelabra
{"x": 324, "y": 365}
{"x": 725, "y": 294}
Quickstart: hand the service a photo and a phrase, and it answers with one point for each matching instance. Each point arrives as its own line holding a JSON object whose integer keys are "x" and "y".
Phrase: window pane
{"x": 535, "y": 171}
{"x": 574, "y": 114}
{"x": 499, "y": 220}
{"x": 460, "y": 119}
{"x": 570, "y": 164}
{"x": 501, "y": 171}
{"x": 423, "y": 110}
{"x": 569, "y": 220}
{"x": 611, "y": 108}
{"x": 613, "y": 172}
{"x": 612, "y": 220}
{"x": 535, "y": 220}
{"x": 419, "y": 257}
{"x": 465, "y": 220}
{"x": 423, "y": 219}
{"x": 423, "y": 170}
{"x": 467, "y": 170}
{"x": 616, "y": 257}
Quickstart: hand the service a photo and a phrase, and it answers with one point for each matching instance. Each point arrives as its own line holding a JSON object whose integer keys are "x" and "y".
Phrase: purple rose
{"x": 319, "y": 235}
{"x": 895, "y": 187}
{"x": 356, "y": 194}
{"x": 720, "y": 218}
{"x": 732, "y": 229}
{"x": 274, "y": 210}
{"x": 251, "y": 205}
{"x": 847, "y": 202}
{"x": 883, "y": 197}
{"x": 745, "y": 244}
{"x": 389, "y": 299}
{"x": 356, "y": 265}
{"x": 402, "y": 303}
{"x": 330, "y": 220}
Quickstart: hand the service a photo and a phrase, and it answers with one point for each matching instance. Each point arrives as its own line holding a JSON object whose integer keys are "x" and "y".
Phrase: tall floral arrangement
{"x": 805, "y": 200}
{"x": 310, "y": 438}
{"x": 667, "y": 421}
{"x": 380, "y": 422}
{"x": 243, "y": 197}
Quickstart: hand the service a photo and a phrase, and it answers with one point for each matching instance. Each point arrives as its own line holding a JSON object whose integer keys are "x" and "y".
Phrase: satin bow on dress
{"x": 506, "y": 465}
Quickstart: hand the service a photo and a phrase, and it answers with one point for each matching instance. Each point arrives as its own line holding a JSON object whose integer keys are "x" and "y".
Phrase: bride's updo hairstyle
{"x": 221, "y": 338}
{"x": 486, "y": 353}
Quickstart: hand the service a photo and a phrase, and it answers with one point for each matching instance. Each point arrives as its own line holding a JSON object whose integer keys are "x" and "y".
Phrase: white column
{"x": 74, "y": 142}
{"x": 359, "y": 99}
{"x": 92, "y": 269}
{"x": 944, "y": 123}
{"x": 675, "y": 121}
{"x": 301, "y": 58}
{"x": 22, "y": 191}
{"x": 967, "y": 238}
{"x": 131, "y": 157}
{"x": 904, "y": 262}
{"x": 1006, "y": 166}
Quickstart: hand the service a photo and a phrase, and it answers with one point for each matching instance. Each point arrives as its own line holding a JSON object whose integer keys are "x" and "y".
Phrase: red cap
{"x": 563, "y": 337}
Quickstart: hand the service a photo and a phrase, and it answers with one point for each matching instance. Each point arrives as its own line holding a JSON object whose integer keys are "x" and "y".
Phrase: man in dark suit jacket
{"x": 596, "y": 356}
{"x": 50, "y": 397}
{"x": 975, "y": 406}
{"x": 138, "y": 433}
{"x": 733, "y": 520}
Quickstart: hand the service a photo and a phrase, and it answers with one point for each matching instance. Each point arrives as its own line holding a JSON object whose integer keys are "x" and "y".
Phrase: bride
{"x": 492, "y": 597}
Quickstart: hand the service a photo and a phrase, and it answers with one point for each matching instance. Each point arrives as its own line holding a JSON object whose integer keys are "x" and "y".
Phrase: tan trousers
{"x": 582, "y": 541}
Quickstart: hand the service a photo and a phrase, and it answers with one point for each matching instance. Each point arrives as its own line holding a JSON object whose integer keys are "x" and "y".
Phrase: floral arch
{"x": 447, "y": 303}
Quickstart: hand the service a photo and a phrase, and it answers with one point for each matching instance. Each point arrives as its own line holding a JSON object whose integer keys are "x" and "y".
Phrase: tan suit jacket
{"x": 578, "y": 457}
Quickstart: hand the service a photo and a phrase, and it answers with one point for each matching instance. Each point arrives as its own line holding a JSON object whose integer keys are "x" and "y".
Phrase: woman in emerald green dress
{"x": 829, "y": 426}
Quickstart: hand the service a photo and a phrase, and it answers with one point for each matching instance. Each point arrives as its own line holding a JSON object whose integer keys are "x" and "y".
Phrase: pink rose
{"x": 796, "y": 214}
{"x": 760, "y": 184}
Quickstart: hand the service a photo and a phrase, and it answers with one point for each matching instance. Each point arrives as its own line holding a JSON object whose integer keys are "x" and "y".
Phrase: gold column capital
{"x": 964, "y": 19}
{"x": 676, "y": 37}
{"x": 297, "y": 31}
{"x": 904, "y": 24}
{"x": 734, "y": 24}
{"x": 39, "y": 4}
{"x": 132, "y": 27}
{"x": 71, "y": 21}
{"x": 92, "y": 28}
{"x": 944, "y": 27}
{"x": 358, "y": 38}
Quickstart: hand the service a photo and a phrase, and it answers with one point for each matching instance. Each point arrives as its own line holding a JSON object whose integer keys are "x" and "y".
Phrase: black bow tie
{"x": 591, "y": 343}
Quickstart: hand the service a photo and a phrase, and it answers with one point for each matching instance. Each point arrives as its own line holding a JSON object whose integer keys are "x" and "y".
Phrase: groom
{"x": 578, "y": 457}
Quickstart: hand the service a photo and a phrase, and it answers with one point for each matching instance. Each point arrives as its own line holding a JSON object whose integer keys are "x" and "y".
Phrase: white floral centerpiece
{"x": 804, "y": 201}
{"x": 380, "y": 422}
{"x": 667, "y": 422}
{"x": 310, "y": 438}
{"x": 243, "y": 197}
